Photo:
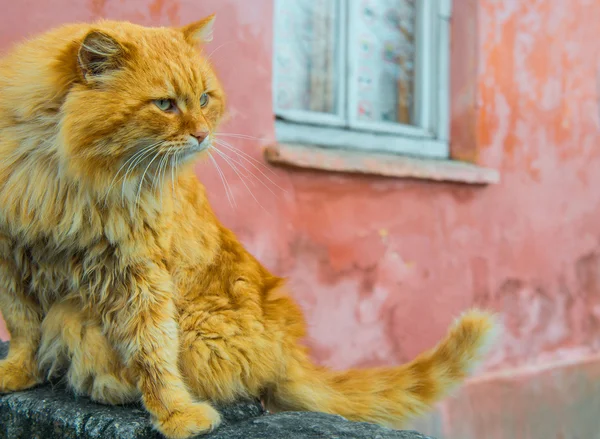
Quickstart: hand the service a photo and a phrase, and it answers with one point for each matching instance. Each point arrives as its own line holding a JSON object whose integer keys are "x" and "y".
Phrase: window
{"x": 370, "y": 75}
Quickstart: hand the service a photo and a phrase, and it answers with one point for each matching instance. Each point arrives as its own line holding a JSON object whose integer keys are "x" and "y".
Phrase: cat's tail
{"x": 388, "y": 396}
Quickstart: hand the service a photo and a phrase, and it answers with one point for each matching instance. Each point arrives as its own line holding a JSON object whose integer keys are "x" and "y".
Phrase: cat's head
{"x": 143, "y": 100}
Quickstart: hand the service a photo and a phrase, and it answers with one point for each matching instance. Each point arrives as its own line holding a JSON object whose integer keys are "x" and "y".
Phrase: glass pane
{"x": 306, "y": 55}
{"x": 385, "y": 60}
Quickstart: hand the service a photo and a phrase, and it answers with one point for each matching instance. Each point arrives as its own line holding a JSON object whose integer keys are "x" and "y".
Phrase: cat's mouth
{"x": 194, "y": 147}
{"x": 202, "y": 146}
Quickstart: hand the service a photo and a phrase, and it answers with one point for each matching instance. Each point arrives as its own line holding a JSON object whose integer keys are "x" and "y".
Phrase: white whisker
{"x": 146, "y": 152}
{"x": 162, "y": 170}
{"x": 243, "y": 157}
{"x": 130, "y": 159}
{"x": 215, "y": 50}
{"x": 173, "y": 166}
{"x": 235, "y": 169}
{"x": 223, "y": 179}
{"x": 156, "y": 181}
{"x": 241, "y": 136}
{"x": 248, "y": 171}
{"x": 245, "y": 154}
{"x": 139, "y": 192}
{"x": 227, "y": 158}
{"x": 240, "y": 151}
{"x": 245, "y": 173}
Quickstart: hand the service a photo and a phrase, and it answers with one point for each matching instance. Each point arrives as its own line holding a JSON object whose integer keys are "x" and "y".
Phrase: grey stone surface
{"x": 50, "y": 412}
{"x": 307, "y": 425}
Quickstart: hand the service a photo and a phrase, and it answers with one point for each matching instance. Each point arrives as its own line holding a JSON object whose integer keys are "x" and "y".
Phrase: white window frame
{"x": 428, "y": 137}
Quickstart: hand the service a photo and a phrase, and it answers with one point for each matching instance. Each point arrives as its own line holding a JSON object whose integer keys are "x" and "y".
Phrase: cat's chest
{"x": 50, "y": 274}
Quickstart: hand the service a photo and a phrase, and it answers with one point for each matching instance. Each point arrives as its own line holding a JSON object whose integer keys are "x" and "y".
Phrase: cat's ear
{"x": 199, "y": 32}
{"x": 99, "y": 53}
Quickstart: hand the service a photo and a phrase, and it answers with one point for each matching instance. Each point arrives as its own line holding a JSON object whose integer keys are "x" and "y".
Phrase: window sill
{"x": 389, "y": 165}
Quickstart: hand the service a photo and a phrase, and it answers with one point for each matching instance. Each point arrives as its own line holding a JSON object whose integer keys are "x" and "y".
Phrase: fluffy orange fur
{"x": 113, "y": 267}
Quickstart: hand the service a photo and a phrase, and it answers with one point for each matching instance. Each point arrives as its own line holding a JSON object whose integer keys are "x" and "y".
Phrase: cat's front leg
{"x": 19, "y": 370}
{"x": 22, "y": 314}
{"x": 142, "y": 326}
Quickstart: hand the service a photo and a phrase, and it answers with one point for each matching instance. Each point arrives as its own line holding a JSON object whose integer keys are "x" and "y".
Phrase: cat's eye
{"x": 165, "y": 104}
{"x": 204, "y": 100}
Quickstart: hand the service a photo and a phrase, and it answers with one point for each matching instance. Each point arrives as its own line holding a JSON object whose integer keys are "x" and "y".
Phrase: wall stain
{"x": 97, "y": 8}
{"x": 170, "y": 8}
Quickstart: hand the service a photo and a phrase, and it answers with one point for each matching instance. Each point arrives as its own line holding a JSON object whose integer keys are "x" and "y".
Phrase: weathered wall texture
{"x": 539, "y": 121}
{"x": 381, "y": 266}
{"x": 537, "y": 112}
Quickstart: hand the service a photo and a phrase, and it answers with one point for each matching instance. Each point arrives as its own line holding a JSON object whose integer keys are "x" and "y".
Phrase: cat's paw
{"x": 15, "y": 377}
{"x": 193, "y": 419}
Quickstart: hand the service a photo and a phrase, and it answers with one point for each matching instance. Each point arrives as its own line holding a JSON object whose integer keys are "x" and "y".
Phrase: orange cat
{"x": 113, "y": 267}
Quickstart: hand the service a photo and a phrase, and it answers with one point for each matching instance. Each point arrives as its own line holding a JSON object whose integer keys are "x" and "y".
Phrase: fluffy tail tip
{"x": 478, "y": 331}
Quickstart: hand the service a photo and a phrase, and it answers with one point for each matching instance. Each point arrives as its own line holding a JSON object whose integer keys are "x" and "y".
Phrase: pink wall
{"x": 381, "y": 266}
{"x": 539, "y": 122}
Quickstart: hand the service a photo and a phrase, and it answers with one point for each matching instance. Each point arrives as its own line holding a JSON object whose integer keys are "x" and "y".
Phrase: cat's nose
{"x": 200, "y": 135}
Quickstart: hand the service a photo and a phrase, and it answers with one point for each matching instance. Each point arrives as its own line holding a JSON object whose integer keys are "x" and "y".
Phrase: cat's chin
{"x": 191, "y": 155}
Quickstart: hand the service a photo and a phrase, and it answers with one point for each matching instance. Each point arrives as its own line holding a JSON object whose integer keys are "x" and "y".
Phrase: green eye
{"x": 204, "y": 100}
{"x": 165, "y": 104}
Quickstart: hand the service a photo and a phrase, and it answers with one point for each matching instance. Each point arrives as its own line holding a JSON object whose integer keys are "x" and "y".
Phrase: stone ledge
{"x": 50, "y": 412}
{"x": 376, "y": 163}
